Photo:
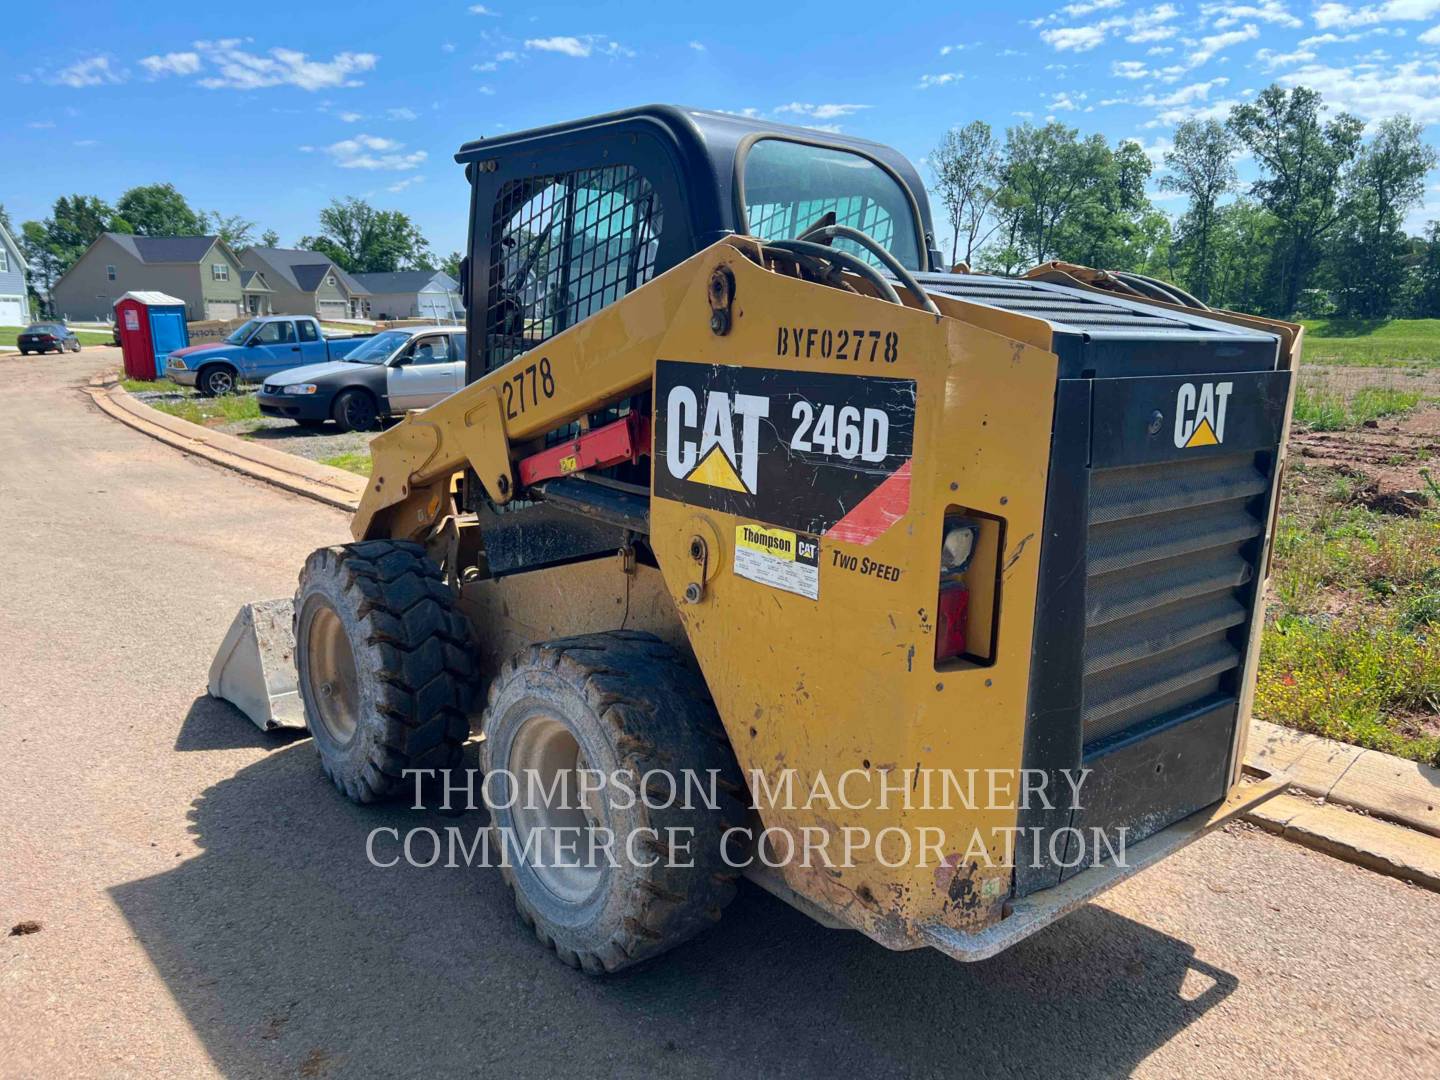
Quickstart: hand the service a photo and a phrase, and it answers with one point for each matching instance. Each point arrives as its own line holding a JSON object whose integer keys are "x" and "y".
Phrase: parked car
{"x": 41, "y": 337}
{"x": 260, "y": 348}
{"x": 410, "y": 367}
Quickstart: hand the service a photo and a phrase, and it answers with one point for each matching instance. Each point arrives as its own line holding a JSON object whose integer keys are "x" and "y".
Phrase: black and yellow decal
{"x": 814, "y": 452}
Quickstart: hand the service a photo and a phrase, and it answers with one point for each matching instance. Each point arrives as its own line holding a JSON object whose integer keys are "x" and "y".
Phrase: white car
{"x": 410, "y": 367}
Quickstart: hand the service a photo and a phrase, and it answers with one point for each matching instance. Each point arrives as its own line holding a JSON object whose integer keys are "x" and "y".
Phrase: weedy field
{"x": 1373, "y": 342}
{"x": 1352, "y": 648}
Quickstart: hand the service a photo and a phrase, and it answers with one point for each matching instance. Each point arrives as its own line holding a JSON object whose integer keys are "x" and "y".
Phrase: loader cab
{"x": 567, "y": 219}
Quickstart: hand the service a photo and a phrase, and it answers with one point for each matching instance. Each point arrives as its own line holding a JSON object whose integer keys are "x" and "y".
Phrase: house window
{"x": 220, "y": 271}
{"x": 109, "y": 272}
{"x": 4, "y": 260}
{"x": 330, "y": 280}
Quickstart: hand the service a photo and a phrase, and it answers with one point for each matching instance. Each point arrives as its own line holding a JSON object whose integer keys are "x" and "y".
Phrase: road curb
{"x": 1363, "y": 806}
{"x": 300, "y": 476}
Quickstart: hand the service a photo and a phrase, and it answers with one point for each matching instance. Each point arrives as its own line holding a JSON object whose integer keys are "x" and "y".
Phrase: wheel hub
{"x": 551, "y": 818}
{"x": 331, "y": 675}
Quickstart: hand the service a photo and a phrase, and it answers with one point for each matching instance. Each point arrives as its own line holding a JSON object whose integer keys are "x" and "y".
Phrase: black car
{"x": 41, "y": 337}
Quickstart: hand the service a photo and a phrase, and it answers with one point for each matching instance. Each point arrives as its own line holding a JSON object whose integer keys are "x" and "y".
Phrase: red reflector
{"x": 954, "y": 611}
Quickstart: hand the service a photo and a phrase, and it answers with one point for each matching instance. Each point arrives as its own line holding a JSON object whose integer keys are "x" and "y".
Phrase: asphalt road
{"x": 207, "y": 908}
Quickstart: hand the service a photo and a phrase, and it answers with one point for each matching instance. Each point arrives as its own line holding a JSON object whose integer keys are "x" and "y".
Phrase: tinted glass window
{"x": 308, "y": 331}
{"x": 789, "y": 186}
{"x": 431, "y": 350}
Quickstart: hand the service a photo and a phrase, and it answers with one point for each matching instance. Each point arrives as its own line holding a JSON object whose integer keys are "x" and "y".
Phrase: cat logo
{"x": 715, "y": 458}
{"x": 1200, "y": 414}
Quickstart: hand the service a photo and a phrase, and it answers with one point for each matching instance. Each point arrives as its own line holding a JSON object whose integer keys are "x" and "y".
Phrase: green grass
{"x": 1321, "y": 408}
{"x": 143, "y": 386}
{"x": 225, "y": 410}
{"x": 356, "y": 462}
{"x": 9, "y": 335}
{"x": 1372, "y": 342}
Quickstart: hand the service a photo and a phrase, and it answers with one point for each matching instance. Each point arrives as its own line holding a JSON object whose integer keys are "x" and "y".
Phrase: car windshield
{"x": 789, "y": 186}
{"x": 378, "y": 349}
{"x": 240, "y": 336}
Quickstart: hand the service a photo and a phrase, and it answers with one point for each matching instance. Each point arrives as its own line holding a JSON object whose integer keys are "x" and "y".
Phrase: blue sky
{"x": 272, "y": 117}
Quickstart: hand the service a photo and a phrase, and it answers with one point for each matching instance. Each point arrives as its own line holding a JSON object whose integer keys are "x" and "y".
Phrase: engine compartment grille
{"x": 1171, "y": 550}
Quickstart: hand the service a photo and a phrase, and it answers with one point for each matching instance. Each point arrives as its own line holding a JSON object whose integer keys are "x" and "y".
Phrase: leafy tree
{"x": 1371, "y": 251}
{"x": 73, "y": 225}
{"x": 234, "y": 230}
{"x": 451, "y": 264}
{"x": 1304, "y": 161}
{"x": 966, "y": 166}
{"x": 5, "y": 220}
{"x": 34, "y": 241}
{"x": 1427, "y": 298}
{"x": 1201, "y": 167}
{"x": 1243, "y": 242}
{"x": 361, "y": 239}
{"x": 1044, "y": 175}
{"x": 270, "y": 239}
{"x": 1112, "y": 224}
{"x": 160, "y": 210}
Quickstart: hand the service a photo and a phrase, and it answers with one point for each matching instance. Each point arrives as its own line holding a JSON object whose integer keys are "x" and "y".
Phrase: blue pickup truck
{"x": 261, "y": 347}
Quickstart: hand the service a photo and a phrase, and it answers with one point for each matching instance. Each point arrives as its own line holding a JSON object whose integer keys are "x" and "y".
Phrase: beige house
{"x": 306, "y": 283}
{"x": 200, "y": 270}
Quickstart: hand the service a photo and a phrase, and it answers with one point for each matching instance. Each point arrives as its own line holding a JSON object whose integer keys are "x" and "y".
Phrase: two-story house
{"x": 307, "y": 283}
{"x": 14, "y": 296}
{"x": 200, "y": 270}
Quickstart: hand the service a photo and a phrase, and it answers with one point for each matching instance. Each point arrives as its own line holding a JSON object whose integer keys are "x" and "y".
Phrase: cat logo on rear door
{"x": 1200, "y": 414}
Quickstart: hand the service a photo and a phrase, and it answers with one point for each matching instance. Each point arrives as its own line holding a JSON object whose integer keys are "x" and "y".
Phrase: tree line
{"x": 353, "y": 234}
{"x": 1320, "y": 231}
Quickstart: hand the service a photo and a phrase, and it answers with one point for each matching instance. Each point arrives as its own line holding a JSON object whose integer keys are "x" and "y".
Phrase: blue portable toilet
{"x": 152, "y": 326}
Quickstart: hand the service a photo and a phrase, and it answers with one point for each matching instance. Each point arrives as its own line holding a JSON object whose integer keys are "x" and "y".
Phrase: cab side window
{"x": 308, "y": 331}
{"x": 276, "y": 333}
{"x": 430, "y": 350}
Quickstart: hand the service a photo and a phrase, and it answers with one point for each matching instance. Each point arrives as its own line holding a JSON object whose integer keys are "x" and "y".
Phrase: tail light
{"x": 957, "y": 549}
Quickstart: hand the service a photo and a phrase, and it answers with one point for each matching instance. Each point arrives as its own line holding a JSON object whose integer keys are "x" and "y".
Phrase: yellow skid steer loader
{"x": 928, "y": 601}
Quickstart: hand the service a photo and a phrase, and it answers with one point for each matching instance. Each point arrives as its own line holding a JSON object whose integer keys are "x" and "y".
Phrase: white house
{"x": 14, "y": 296}
{"x": 413, "y": 294}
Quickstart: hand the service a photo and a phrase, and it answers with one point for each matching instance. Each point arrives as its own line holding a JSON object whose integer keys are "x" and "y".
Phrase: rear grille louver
{"x": 1169, "y": 570}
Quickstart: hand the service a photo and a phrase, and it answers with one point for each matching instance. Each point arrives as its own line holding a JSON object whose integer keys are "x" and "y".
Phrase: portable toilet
{"x": 152, "y": 326}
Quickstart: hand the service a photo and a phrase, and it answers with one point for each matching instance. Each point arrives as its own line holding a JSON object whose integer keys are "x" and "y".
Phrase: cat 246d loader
{"x": 941, "y": 591}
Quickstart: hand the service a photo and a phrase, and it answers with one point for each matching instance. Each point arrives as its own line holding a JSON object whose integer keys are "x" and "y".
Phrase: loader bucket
{"x": 255, "y": 667}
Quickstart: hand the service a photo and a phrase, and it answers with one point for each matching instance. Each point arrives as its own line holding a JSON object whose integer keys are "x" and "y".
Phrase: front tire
{"x": 216, "y": 380}
{"x": 385, "y": 665}
{"x": 356, "y": 410}
{"x": 620, "y": 701}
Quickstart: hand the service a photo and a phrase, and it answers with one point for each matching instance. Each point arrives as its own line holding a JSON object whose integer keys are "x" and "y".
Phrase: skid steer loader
{"x": 949, "y": 585}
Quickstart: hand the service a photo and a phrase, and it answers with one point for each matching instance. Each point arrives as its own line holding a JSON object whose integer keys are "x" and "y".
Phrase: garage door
{"x": 12, "y": 311}
{"x": 222, "y": 309}
{"x": 332, "y": 309}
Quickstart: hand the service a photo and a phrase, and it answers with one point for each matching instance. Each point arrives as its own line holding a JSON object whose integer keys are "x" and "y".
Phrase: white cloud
{"x": 481, "y": 9}
{"x": 1085, "y": 7}
{"x": 1207, "y": 47}
{"x": 1185, "y": 95}
{"x": 820, "y": 112}
{"x": 946, "y": 50}
{"x": 351, "y": 117}
{"x": 1160, "y": 50}
{"x": 40, "y": 125}
{"x": 374, "y": 152}
{"x": 1141, "y": 27}
{"x": 833, "y": 129}
{"x": 507, "y": 55}
{"x": 228, "y": 66}
{"x": 402, "y": 113}
{"x": 175, "y": 63}
{"x": 943, "y": 79}
{"x": 1355, "y": 35}
{"x": 1269, "y": 11}
{"x": 579, "y": 47}
{"x": 489, "y": 65}
{"x": 484, "y": 90}
{"x": 87, "y": 142}
{"x": 1156, "y": 149}
{"x": 1129, "y": 69}
{"x": 1062, "y": 102}
{"x": 1430, "y": 37}
{"x": 447, "y": 47}
{"x": 698, "y": 46}
{"x": 1272, "y": 60}
{"x": 409, "y": 181}
{"x": 92, "y": 71}
{"x": 1371, "y": 92}
{"x": 1346, "y": 16}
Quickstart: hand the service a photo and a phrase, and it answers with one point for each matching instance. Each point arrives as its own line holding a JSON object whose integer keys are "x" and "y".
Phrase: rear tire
{"x": 216, "y": 380}
{"x": 356, "y": 410}
{"x": 385, "y": 665}
{"x": 606, "y": 702}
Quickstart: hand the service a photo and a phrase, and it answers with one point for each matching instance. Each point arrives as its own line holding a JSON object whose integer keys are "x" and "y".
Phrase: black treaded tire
{"x": 413, "y": 664}
{"x": 630, "y": 703}
{"x": 217, "y": 380}
{"x": 356, "y": 410}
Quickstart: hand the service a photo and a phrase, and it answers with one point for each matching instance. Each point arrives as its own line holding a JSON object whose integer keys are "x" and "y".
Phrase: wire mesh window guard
{"x": 563, "y": 247}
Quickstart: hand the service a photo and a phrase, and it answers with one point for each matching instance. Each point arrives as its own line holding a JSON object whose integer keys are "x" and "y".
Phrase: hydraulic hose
{"x": 865, "y": 240}
{"x": 845, "y": 259}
